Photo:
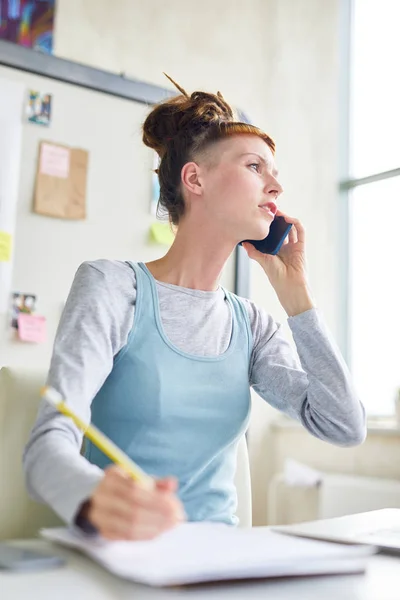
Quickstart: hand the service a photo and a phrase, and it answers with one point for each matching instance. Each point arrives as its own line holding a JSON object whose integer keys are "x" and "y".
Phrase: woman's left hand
{"x": 287, "y": 270}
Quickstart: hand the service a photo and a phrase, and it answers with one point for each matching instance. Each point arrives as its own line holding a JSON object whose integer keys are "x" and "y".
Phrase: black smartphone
{"x": 15, "y": 558}
{"x": 278, "y": 231}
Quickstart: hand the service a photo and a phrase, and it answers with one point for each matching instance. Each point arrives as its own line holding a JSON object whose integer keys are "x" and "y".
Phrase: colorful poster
{"x": 29, "y": 23}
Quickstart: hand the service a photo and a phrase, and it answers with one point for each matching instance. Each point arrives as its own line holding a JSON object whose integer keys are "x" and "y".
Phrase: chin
{"x": 260, "y": 232}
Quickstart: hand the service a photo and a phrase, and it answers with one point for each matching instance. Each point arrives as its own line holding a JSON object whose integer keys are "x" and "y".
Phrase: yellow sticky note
{"x": 5, "y": 246}
{"x": 160, "y": 233}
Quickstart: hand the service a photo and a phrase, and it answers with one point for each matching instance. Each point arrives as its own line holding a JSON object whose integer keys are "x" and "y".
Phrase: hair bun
{"x": 183, "y": 114}
{"x": 180, "y": 129}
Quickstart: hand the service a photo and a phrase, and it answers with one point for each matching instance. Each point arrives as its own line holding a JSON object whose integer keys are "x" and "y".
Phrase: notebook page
{"x": 196, "y": 552}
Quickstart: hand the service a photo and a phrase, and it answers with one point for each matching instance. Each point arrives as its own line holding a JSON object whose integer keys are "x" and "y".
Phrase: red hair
{"x": 180, "y": 129}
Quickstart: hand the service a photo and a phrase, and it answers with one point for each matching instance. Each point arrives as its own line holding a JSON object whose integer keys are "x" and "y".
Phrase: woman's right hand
{"x": 122, "y": 510}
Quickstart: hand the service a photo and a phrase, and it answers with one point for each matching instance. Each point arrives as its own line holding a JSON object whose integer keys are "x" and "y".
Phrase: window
{"x": 373, "y": 188}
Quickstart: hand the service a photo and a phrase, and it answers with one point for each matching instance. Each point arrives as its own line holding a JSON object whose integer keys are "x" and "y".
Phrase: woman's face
{"x": 240, "y": 187}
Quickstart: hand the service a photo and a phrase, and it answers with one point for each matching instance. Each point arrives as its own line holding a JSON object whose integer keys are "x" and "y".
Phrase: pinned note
{"x": 160, "y": 233}
{"x": 54, "y": 160}
{"x": 31, "y": 328}
{"x": 5, "y": 246}
{"x": 60, "y": 189}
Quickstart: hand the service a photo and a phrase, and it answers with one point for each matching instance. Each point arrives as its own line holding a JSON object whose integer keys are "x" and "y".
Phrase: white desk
{"x": 82, "y": 579}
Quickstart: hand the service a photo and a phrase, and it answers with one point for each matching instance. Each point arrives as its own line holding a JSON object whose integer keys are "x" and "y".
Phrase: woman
{"x": 161, "y": 358}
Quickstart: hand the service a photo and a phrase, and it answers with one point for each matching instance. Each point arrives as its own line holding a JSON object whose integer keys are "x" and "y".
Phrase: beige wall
{"x": 210, "y": 44}
{"x": 279, "y": 61}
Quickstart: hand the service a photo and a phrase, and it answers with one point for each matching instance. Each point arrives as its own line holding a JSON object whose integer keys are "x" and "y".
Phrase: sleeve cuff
{"x": 308, "y": 317}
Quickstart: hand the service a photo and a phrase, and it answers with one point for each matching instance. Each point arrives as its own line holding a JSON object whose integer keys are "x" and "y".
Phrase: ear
{"x": 191, "y": 178}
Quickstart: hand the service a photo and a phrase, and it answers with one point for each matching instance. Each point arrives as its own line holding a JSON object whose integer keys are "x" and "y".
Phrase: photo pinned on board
{"x": 21, "y": 303}
{"x": 38, "y": 109}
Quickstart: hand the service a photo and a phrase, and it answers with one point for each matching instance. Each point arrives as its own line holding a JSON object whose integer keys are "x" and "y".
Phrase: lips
{"x": 269, "y": 207}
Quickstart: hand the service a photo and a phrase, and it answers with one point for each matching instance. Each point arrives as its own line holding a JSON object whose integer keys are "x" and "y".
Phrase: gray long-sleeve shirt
{"x": 312, "y": 386}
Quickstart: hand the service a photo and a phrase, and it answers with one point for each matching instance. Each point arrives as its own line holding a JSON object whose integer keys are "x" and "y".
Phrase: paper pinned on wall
{"x": 5, "y": 246}
{"x": 61, "y": 182}
{"x": 32, "y": 328}
{"x": 54, "y": 160}
{"x": 160, "y": 233}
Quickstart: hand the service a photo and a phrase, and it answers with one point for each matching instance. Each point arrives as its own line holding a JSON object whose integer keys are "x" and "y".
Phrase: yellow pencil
{"x": 99, "y": 439}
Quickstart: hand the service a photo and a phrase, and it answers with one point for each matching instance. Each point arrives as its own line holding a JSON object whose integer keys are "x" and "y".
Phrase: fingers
{"x": 161, "y": 502}
{"x": 169, "y": 484}
{"x": 253, "y": 253}
{"x": 300, "y": 231}
{"x": 250, "y": 249}
{"x": 144, "y": 534}
{"x": 121, "y": 509}
{"x": 292, "y": 236}
{"x": 297, "y": 232}
{"x": 142, "y": 527}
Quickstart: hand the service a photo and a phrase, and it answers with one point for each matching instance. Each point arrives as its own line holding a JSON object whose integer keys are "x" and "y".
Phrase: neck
{"x": 195, "y": 259}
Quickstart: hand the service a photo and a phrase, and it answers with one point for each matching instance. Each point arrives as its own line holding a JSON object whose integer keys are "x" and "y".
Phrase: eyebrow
{"x": 275, "y": 172}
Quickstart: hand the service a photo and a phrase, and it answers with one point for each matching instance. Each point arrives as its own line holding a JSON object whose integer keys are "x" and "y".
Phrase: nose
{"x": 274, "y": 188}
{"x": 277, "y": 189}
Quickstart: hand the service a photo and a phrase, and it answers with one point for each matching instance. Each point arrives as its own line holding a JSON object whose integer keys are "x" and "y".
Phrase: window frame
{"x": 346, "y": 182}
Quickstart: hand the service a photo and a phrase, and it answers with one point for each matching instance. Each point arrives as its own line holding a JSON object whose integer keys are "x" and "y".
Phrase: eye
{"x": 255, "y": 167}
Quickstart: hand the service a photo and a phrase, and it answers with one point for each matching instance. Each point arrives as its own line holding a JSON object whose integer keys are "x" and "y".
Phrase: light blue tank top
{"x": 178, "y": 414}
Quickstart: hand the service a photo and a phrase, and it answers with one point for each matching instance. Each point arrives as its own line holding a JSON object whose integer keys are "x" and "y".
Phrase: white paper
{"x": 11, "y": 107}
{"x": 299, "y": 474}
{"x": 198, "y": 552}
{"x": 54, "y": 161}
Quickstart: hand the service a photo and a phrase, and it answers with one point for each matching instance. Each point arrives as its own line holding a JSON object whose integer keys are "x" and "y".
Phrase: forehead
{"x": 242, "y": 146}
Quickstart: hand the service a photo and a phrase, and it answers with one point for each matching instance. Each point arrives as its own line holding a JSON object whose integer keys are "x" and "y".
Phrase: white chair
{"x": 243, "y": 485}
{"x": 19, "y": 400}
{"x": 20, "y": 517}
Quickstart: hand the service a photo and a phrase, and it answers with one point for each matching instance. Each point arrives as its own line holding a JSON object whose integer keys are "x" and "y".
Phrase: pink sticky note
{"x": 54, "y": 161}
{"x": 31, "y": 328}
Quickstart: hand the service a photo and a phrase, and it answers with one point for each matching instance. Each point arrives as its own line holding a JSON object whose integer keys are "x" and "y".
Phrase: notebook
{"x": 201, "y": 552}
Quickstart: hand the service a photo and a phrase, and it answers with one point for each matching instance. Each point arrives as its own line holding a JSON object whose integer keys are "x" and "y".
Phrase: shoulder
{"x": 116, "y": 274}
{"x": 104, "y": 281}
{"x": 107, "y": 269}
{"x": 262, "y": 324}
